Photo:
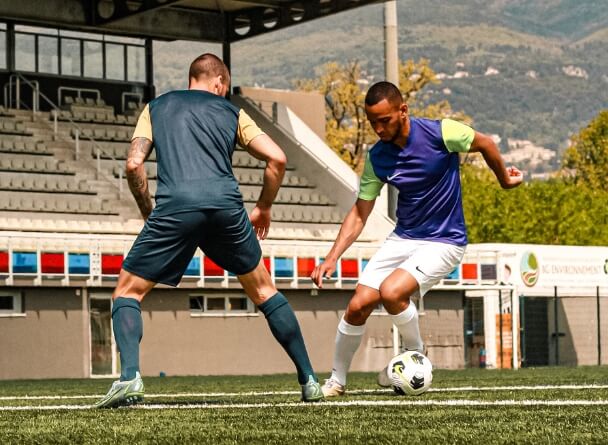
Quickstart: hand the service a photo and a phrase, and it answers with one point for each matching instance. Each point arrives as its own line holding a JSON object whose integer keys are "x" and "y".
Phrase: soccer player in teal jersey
{"x": 199, "y": 204}
{"x": 420, "y": 158}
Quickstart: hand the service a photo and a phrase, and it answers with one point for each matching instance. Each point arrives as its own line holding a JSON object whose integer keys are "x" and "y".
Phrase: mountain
{"x": 535, "y": 70}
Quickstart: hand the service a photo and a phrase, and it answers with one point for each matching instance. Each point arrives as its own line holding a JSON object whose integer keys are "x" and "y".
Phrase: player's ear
{"x": 404, "y": 109}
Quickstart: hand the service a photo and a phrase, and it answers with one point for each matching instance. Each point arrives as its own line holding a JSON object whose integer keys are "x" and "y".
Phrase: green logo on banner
{"x": 529, "y": 269}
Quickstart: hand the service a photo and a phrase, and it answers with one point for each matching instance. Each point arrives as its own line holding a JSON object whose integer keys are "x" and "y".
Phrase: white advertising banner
{"x": 537, "y": 269}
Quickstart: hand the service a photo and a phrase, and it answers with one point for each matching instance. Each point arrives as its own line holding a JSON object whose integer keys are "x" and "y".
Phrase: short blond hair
{"x": 209, "y": 65}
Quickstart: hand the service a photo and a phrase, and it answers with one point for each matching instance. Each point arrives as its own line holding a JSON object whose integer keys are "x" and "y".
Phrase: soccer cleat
{"x": 384, "y": 380}
{"x": 311, "y": 391}
{"x": 332, "y": 388}
{"x": 124, "y": 393}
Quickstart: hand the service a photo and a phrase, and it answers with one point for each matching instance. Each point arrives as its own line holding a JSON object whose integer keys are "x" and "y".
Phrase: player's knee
{"x": 391, "y": 294}
{"x": 357, "y": 313}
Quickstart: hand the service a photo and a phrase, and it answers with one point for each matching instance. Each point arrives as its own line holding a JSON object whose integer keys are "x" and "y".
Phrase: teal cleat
{"x": 311, "y": 391}
{"x": 125, "y": 393}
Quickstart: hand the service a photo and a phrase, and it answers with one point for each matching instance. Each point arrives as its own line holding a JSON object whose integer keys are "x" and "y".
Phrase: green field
{"x": 545, "y": 405}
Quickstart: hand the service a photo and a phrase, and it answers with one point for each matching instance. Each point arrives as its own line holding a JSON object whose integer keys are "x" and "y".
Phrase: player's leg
{"x": 235, "y": 247}
{"x": 160, "y": 253}
{"x": 127, "y": 321}
{"x": 425, "y": 267}
{"x": 396, "y": 292}
{"x": 366, "y": 299}
{"x": 128, "y": 331}
{"x": 283, "y": 324}
{"x": 348, "y": 337}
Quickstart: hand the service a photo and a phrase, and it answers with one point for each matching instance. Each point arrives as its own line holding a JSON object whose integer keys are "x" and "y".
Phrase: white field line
{"x": 290, "y": 393}
{"x": 457, "y": 403}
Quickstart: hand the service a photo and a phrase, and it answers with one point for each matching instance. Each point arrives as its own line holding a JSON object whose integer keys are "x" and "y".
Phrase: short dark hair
{"x": 209, "y": 65}
{"x": 383, "y": 90}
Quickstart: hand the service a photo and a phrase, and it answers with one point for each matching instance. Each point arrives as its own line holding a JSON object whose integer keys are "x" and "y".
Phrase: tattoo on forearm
{"x": 136, "y": 174}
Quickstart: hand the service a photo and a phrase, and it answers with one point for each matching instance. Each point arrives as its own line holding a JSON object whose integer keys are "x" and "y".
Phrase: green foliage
{"x": 588, "y": 154}
{"x": 346, "y": 129}
{"x": 344, "y": 87}
{"x": 557, "y": 211}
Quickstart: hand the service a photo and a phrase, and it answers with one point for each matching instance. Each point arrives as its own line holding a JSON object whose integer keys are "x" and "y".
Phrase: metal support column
{"x": 599, "y": 327}
{"x": 150, "y": 92}
{"x": 556, "y": 325}
{"x": 391, "y": 73}
{"x": 226, "y": 55}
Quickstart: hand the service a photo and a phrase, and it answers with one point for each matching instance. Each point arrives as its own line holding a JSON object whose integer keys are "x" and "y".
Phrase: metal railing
{"x": 55, "y": 110}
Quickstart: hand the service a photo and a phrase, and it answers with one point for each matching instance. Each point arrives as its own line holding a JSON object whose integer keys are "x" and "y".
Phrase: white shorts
{"x": 427, "y": 261}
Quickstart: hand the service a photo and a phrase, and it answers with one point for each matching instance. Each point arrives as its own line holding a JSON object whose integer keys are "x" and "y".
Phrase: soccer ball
{"x": 410, "y": 373}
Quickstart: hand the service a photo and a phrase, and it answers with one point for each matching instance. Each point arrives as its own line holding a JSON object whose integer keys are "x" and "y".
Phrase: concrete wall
{"x": 177, "y": 343}
{"x": 50, "y": 341}
{"x": 442, "y": 328}
{"x": 577, "y": 324}
{"x": 309, "y": 106}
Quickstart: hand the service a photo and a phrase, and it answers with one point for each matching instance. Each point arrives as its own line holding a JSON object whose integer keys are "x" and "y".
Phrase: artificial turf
{"x": 217, "y": 418}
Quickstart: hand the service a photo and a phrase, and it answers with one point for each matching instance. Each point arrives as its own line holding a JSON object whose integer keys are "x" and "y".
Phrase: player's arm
{"x": 461, "y": 138}
{"x": 507, "y": 177}
{"x": 262, "y": 147}
{"x": 136, "y": 174}
{"x": 369, "y": 189}
{"x": 349, "y": 232}
{"x": 141, "y": 147}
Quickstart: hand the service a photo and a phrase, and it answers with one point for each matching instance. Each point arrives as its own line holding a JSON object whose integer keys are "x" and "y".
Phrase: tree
{"x": 344, "y": 92}
{"x": 344, "y": 87}
{"x": 556, "y": 211}
{"x": 588, "y": 153}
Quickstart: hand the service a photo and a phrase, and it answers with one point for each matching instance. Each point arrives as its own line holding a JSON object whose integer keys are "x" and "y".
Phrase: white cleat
{"x": 332, "y": 388}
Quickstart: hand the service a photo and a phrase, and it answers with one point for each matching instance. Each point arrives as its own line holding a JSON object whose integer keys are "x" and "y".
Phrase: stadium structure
{"x": 75, "y": 74}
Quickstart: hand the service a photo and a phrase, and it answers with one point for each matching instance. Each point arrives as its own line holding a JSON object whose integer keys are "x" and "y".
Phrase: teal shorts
{"x": 165, "y": 246}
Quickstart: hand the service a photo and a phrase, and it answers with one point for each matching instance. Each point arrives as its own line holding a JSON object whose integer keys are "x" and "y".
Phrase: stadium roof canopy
{"x": 220, "y": 21}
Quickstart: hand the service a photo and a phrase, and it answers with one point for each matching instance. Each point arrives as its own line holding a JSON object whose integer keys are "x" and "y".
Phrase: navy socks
{"x": 285, "y": 328}
{"x": 128, "y": 330}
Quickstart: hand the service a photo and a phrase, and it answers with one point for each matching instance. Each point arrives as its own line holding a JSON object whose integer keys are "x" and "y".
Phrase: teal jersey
{"x": 194, "y": 135}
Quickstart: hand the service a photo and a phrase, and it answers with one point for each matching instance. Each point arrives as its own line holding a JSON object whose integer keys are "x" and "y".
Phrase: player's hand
{"x": 324, "y": 270}
{"x": 260, "y": 219}
{"x": 514, "y": 178}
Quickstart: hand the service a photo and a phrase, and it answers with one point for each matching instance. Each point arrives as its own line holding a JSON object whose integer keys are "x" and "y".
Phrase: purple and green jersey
{"x": 426, "y": 173}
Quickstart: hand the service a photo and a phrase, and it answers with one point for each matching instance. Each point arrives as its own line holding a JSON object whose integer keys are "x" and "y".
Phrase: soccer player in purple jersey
{"x": 420, "y": 158}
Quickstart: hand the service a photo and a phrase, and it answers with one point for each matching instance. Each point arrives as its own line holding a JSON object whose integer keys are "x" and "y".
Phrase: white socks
{"x": 348, "y": 339}
{"x": 407, "y": 325}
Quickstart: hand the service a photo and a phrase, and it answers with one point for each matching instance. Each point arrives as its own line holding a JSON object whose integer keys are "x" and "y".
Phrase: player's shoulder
{"x": 428, "y": 125}
{"x": 430, "y": 128}
{"x": 375, "y": 150}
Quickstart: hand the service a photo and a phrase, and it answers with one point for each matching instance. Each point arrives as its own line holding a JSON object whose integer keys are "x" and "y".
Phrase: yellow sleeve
{"x": 457, "y": 137}
{"x": 143, "y": 129}
{"x": 370, "y": 185}
{"x": 248, "y": 129}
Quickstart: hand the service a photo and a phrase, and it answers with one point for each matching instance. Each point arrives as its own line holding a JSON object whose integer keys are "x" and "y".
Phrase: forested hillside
{"x": 523, "y": 69}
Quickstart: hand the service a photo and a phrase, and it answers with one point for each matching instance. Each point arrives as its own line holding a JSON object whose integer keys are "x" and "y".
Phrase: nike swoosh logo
{"x": 391, "y": 177}
{"x": 418, "y": 269}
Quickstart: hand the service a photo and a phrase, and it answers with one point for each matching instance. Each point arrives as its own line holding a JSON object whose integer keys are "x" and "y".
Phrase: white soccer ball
{"x": 410, "y": 373}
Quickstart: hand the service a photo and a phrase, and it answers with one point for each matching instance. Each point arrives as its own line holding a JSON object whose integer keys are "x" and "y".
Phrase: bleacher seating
{"x": 44, "y": 184}
{"x": 12, "y": 125}
{"x": 44, "y": 180}
{"x": 33, "y": 164}
{"x": 56, "y": 204}
{"x": 12, "y": 144}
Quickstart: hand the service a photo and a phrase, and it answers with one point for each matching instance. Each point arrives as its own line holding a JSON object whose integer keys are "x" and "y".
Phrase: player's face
{"x": 387, "y": 119}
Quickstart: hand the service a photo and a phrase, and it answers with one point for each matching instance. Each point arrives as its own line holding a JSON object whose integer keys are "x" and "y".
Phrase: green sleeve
{"x": 370, "y": 185}
{"x": 457, "y": 137}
